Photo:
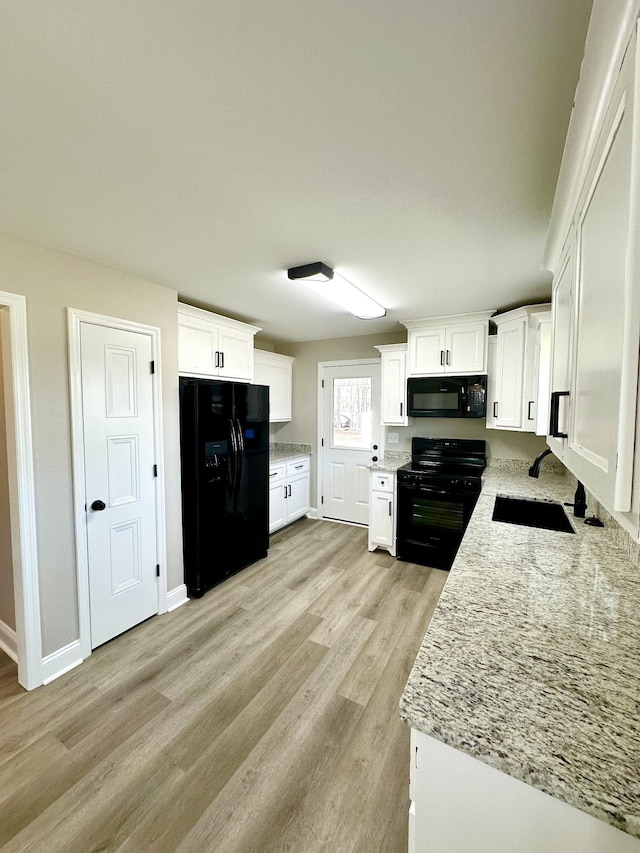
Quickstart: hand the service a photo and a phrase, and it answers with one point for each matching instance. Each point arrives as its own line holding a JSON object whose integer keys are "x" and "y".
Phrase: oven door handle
{"x": 425, "y": 490}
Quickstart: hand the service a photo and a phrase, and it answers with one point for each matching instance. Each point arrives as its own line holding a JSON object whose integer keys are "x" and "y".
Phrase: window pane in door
{"x": 352, "y": 413}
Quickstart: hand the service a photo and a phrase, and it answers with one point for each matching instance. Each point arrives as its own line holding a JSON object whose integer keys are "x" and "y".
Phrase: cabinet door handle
{"x": 389, "y": 508}
{"x": 554, "y": 429}
{"x": 448, "y": 356}
{"x": 531, "y": 402}
{"x": 289, "y": 495}
{"x": 495, "y": 410}
{"x": 221, "y": 359}
{"x": 285, "y": 492}
{"x": 299, "y": 466}
{"x": 217, "y": 361}
{"x": 275, "y": 474}
{"x": 401, "y": 405}
{"x": 442, "y": 357}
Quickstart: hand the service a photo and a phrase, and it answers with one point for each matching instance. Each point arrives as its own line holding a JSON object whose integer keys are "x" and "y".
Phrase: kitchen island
{"x": 531, "y": 665}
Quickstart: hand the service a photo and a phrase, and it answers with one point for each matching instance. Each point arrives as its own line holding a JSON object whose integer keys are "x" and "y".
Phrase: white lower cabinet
{"x": 382, "y": 514}
{"x": 277, "y": 497}
{"x": 288, "y": 491}
{"x": 460, "y": 804}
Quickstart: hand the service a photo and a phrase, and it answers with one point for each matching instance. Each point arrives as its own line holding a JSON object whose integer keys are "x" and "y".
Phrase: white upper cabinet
{"x": 394, "y": 384}
{"x": 213, "y": 346}
{"x": 517, "y": 396}
{"x": 562, "y": 300}
{"x": 455, "y": 344}
{"x": 596, "y": 310}
{"x": 276, "y": 371}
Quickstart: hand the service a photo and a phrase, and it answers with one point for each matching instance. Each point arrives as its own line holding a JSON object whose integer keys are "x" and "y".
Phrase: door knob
{"x": 98, "y": 506}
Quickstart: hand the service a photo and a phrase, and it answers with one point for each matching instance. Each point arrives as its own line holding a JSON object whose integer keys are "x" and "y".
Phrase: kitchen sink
{"x": 531, "y": 512}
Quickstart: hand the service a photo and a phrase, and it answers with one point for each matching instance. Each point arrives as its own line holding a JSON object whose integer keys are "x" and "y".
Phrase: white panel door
{"x": 382, "y": 518}
{"x": 561, "y": 347}
{"x": 511, "y": 341}
{"x": 117, "y": 409}
{"x": 466, "y": 348}
{"x": 394, "y": 386}
{"x": 426, "y": 351}
{"x": 350, "y": 432}
{"x": 235, "y": 354}
{"x": 599, "y": 453}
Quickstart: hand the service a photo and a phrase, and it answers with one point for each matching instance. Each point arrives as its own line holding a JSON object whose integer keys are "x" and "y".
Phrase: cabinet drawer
{"x": 297, "y": 466}
{"x": 382, "y": 481}
{"x": 277, "y": 473}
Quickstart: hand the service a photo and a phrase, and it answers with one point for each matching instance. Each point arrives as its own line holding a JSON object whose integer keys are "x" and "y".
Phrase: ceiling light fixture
{"x": 323, "y": 280}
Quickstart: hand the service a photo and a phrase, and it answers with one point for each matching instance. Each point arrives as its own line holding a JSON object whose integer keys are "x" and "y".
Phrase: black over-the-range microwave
{"x": 446, "y": 397}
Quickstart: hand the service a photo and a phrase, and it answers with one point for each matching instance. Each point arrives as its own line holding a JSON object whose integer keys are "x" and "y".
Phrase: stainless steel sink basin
{"x": 531, "y": 512}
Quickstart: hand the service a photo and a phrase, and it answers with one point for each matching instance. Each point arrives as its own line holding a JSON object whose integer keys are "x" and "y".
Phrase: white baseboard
{"x": 8, "y": 641}
{"x": 312, "y": 512}
{"x": 176, "y": 597}
{"x": 61, "y": 661}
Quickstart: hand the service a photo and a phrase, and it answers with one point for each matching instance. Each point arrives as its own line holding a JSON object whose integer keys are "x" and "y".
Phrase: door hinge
{"x": 155, "y": 470}
{"x": 153, "y": 367}
{"x": 158, "y": 570}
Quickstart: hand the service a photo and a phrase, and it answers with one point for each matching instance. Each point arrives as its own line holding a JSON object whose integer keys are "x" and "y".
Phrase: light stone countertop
{"x": 282, "y": 452}
{"x": 391, "y": 461}
{"x": 531, "y": 662}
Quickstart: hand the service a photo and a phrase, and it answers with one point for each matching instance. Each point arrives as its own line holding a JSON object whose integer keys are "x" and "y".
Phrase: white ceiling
{"x": 414, "y": 145}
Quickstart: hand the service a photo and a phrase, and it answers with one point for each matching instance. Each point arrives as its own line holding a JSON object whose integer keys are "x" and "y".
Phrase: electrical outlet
{"x": 392, "y": 438}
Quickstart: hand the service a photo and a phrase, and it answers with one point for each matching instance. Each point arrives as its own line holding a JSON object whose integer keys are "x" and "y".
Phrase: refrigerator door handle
{"x": 233, "y": 456}
{"x": 239, "y": 451}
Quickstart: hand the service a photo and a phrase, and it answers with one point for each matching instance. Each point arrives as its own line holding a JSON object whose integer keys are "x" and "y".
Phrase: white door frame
{"x": 75, "y": 319}
{"x": 25, "y": 554}
{"x": 354, "y": 362}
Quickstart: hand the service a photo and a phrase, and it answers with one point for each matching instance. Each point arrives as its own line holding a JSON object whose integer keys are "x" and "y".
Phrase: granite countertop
{"x": 391, "y": 461}
{"x": 531, "y": 662}
{"x": 281, "y": 452}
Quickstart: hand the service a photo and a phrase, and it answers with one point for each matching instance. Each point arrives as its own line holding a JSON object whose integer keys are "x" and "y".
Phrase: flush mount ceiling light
{"x": 322, "y": 280}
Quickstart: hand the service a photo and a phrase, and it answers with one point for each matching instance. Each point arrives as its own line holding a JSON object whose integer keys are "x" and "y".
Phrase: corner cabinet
{"x": 275, "y": 371}
{"x": 213, "y": 346}
{"x": 289, "y": 493}
{"x": 382, "y": 513}
{"x": 455, "y": 344}
{"x": 393, "y": 384}
{"x": 518, "y": 390}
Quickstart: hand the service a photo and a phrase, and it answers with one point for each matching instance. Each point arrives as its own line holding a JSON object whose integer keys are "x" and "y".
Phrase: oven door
{"x": 431, "y": 523}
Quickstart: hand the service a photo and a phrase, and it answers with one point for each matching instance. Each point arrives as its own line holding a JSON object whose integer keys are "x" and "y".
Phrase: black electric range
{"x": 437, "y": 492}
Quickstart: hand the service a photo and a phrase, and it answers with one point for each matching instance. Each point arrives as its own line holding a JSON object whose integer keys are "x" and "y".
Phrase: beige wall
{"x": 304, "y": 428}
{"x": 7, "y": 608}
{"x": 53, "y": 281}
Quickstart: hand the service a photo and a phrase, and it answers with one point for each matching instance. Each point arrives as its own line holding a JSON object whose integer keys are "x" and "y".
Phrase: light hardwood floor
{"x": 263, "y": 717}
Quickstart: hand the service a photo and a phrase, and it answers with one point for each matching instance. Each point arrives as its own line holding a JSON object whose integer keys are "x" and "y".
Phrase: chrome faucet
{"x": 534, "y": 471}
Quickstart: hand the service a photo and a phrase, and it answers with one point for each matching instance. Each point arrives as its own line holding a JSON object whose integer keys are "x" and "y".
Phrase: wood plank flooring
{"x": 263, "y": 717}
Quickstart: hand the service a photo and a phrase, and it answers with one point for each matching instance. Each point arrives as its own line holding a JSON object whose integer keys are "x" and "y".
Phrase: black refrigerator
{"x": 224, "y": 441}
